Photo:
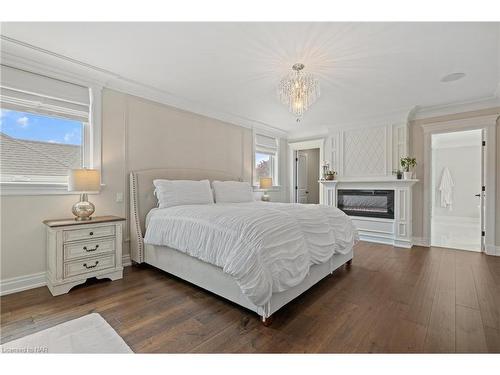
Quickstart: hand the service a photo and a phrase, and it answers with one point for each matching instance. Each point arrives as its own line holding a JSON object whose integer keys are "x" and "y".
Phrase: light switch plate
{"x": 119, "y": 197}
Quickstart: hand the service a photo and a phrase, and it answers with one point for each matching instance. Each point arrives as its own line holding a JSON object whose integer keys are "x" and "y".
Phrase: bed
{"x": 216, "y": 277}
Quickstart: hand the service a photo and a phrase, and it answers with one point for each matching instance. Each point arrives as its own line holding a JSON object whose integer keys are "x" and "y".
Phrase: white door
{"x": 301, "y": 168}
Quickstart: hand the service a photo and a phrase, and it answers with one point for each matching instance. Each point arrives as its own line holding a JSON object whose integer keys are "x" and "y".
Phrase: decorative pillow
{"x": 172, "y": 193}
{"x": 232, "y": 192}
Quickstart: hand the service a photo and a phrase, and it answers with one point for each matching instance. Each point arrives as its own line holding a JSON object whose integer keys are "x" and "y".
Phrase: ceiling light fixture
{"x": 452, "y": 77}
{"x": 298, "y": 90}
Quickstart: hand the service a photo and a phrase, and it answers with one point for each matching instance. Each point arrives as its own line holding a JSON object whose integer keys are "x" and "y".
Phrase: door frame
{"x": 303, "y": 145}
{"x": 488, "y": 125}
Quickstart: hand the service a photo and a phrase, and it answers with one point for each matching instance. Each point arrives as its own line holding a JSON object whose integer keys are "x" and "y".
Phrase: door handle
{"x": 477, "y": 195}
{"x": 307, "y": 192}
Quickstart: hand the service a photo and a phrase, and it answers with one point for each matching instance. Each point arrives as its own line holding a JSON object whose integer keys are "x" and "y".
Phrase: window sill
{"x": 36, "y": 188}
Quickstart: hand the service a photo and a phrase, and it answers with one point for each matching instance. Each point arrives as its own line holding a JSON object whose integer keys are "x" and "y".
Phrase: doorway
{"x": 457, "y": 208}
{"x": 307, "y": 165}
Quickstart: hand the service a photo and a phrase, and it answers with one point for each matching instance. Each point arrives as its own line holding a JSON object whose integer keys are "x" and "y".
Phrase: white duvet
{"x": 266, "y": 247}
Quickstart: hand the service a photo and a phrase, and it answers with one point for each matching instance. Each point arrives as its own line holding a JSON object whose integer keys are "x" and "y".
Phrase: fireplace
{"x": 370, "y": 203}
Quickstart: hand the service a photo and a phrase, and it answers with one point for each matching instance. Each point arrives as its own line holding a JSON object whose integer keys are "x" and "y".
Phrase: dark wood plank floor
{"x": 390, "y": 300}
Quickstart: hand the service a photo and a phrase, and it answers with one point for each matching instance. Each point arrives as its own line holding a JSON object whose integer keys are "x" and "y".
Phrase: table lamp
{"x": 83, "y": 180}
{"x": 266, "y": 183}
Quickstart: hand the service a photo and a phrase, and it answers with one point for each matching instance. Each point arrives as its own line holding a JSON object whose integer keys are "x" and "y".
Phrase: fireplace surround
{"x": 380, "y": 208}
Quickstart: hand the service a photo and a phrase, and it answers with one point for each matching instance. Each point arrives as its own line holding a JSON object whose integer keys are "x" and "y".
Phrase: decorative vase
{"x": 399, "y": 175}
{"x": 407, "y": 175}
{"x": 325, "y": 170}
{"x": 330, "y": 177}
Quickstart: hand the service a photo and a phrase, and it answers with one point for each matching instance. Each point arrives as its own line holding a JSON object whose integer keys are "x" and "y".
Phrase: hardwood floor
{"x": 391, "y": 300}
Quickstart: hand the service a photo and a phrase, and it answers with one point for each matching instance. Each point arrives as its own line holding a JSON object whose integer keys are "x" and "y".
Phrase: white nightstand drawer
{"x": 81, "y": 249}
{"x": 89, "y": 233}
{"x": 88, "y": 265}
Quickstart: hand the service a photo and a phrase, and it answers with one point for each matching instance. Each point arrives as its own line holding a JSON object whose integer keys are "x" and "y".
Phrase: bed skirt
{"x": 213, "y": 279}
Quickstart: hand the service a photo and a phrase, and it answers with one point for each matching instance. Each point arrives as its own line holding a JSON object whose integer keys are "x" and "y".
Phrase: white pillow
{"x": 232, "y": 192}
{"x": 182, "y": 192}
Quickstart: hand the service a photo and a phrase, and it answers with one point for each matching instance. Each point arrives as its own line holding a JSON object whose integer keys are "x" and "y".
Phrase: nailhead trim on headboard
{"x": 139, "y": 258}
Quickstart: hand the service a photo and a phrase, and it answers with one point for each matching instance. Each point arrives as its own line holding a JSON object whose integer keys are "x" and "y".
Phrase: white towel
{"x": 446, "y": 189}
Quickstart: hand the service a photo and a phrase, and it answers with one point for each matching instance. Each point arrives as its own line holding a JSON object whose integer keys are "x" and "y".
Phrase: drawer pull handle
{"x": 90, "y": 250}
{"x": 88, "y": 267}
{"x": 91, "y": 233}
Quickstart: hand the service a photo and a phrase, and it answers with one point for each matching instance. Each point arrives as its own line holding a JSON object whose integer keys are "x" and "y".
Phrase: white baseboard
{"x": 126, "y": 261}
{"x": 20, "y": 283}
{"x": 492, "y": 250}
{"x": 384, "y": 240}
{"x": 36, "y": 280}
{"x": 421, "y": 241}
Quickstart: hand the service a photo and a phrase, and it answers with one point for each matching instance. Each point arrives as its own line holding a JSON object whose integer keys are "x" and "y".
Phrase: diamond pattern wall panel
{"x": 365, "y": 152}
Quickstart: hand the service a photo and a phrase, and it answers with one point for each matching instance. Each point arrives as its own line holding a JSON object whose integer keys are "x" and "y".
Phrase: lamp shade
{"x": 84, "y": 180}
{"x": 266, "y": 182}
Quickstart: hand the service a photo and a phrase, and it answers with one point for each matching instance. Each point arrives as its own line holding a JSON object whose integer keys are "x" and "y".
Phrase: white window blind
{"x": 266, "y": 143}
{"x": 26, "y": 91}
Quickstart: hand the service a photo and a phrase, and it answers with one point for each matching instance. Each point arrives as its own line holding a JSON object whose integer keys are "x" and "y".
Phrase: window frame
{"x": 275, "y": 166}
{"x": 91, "y": 145}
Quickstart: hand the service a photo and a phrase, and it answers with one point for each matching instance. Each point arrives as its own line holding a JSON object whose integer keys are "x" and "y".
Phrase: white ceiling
{"x": 366, "y": 70}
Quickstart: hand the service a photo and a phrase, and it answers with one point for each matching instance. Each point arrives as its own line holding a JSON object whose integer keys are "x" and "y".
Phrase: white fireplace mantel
{"x": 397, "y": 231}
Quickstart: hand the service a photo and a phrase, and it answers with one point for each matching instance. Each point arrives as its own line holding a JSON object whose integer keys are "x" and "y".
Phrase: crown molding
{"x": 392, "y": 118}
{"x": 420, "y": 113}
{"x": 307, "y": 134}
{"x": 22, "y": 55}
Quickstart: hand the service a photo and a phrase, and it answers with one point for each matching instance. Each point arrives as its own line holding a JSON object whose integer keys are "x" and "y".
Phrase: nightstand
{"x": 78, "y": 250}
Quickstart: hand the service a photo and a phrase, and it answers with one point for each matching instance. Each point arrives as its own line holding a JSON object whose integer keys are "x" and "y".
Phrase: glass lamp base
{"x": 84, "y": 209}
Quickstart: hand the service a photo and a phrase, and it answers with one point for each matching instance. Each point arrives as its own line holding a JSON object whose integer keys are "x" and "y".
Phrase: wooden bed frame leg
{"x": 266, "y": 322}
{"x": 349, "y": 263}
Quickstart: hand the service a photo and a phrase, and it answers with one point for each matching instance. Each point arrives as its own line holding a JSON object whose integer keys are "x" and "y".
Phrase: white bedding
{"x": 266, "y": 247}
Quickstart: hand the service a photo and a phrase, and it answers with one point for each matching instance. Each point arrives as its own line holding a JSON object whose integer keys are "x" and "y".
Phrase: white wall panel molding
{"x": 365, "y": 152}
{"x": 400, "y": 143}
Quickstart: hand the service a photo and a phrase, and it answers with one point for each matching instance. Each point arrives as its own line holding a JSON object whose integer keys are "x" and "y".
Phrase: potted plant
{"x": 398, "y": 173}
{"x": 406, "y": 164}
{"x": 330, "y": 175}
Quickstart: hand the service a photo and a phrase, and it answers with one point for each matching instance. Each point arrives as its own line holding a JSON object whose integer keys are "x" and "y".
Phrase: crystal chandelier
{"x": 298, "y": 90}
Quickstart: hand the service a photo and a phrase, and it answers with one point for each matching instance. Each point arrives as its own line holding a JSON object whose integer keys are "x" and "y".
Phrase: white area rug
{"x": 88, "y": 334}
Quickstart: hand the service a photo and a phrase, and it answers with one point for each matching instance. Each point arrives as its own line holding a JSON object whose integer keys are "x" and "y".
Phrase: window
{"x": 266, "y": 158}
{"x": 38, "y": 148}
{"x": 44, "y": 128}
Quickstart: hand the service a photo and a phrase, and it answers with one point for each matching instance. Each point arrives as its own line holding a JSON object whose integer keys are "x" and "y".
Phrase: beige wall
{"x": 416, "y": 137}
{"x": 136, "y": 134}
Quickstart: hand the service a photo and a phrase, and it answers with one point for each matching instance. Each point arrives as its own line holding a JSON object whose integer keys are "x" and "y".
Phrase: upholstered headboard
{"x": 142, "y": 198}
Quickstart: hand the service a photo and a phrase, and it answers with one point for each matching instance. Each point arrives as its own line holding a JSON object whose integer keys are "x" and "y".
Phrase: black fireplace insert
{"x": 370, "y": 203}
